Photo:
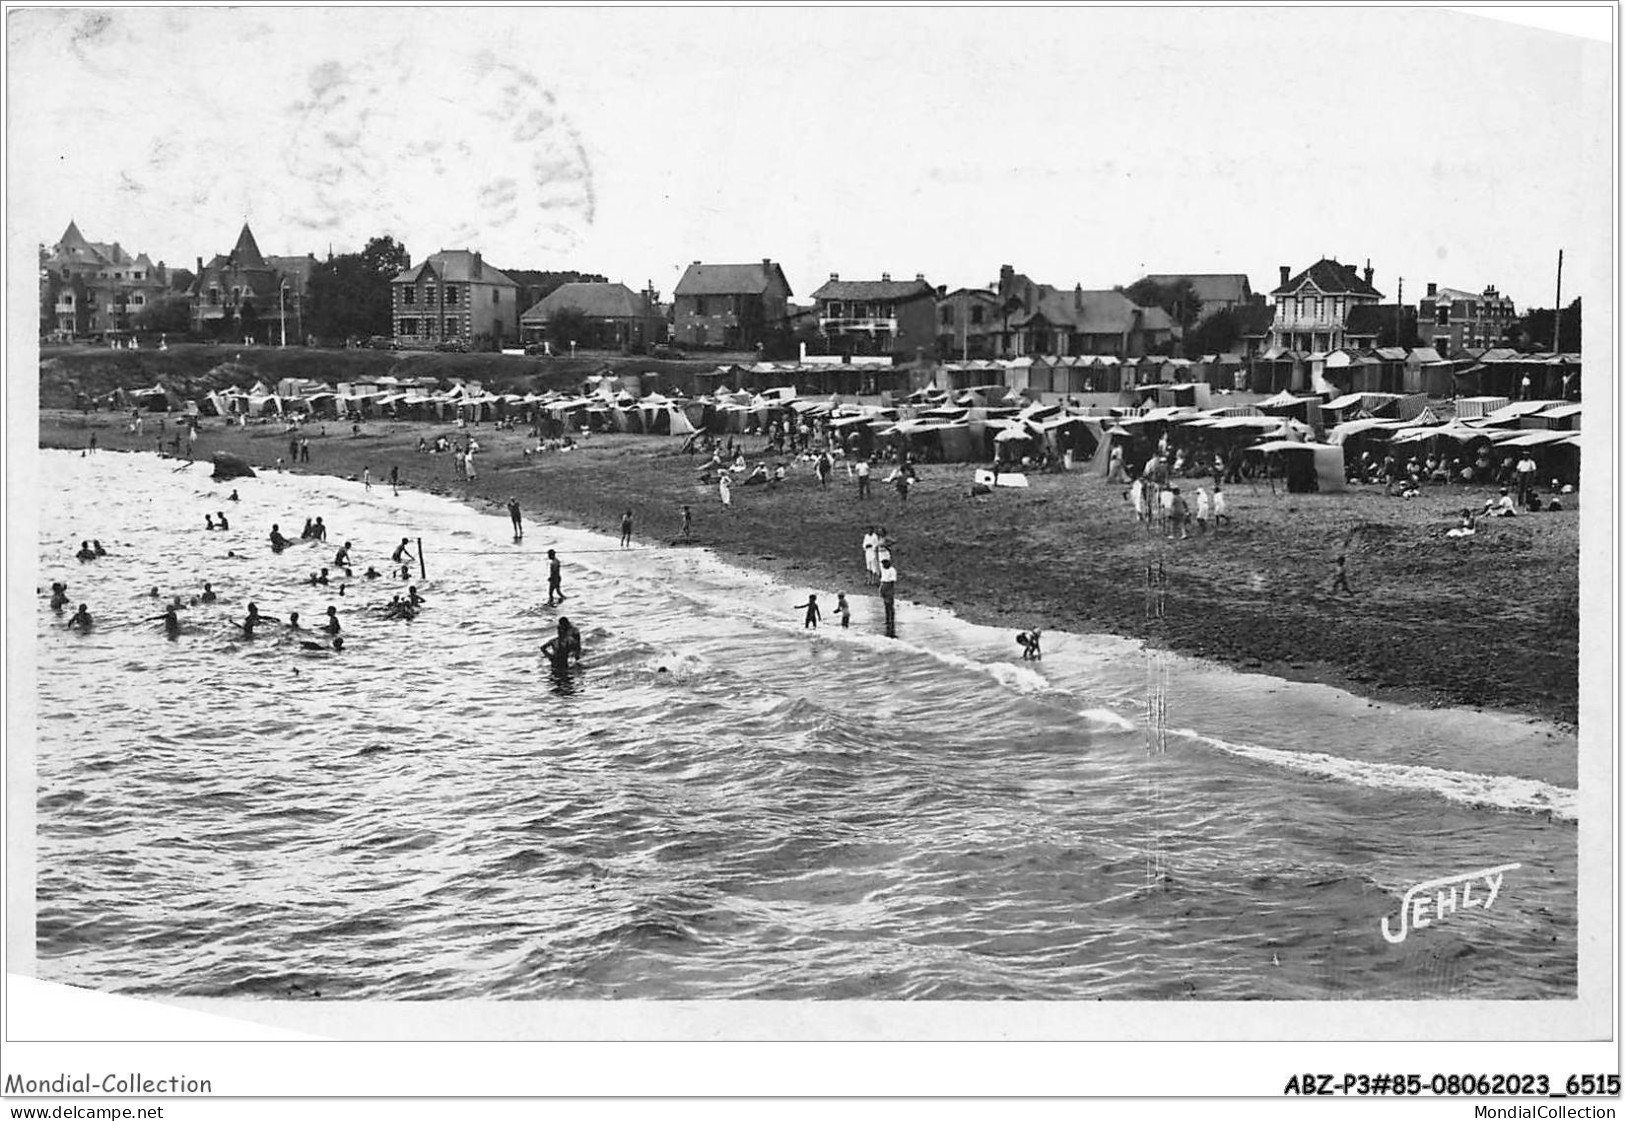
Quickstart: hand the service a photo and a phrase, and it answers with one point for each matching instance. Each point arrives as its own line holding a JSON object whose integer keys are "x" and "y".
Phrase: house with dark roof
{"x": 1312, "y": 308}
{"x": 729, "y": 306}
{"x": 884, "y": 316}
{"x": 1372, "y": 325}
{"x": 616, "y": 316}
{"x": 1041, "y": 319}
{"x": 454, "y": 297}
{"x": 967, "y": 323}
{"x": 244, "y": 294}
{"x": 1452, "y": 320}
{"x": 1218, "y": 291}
{"x": 93, "y": 288}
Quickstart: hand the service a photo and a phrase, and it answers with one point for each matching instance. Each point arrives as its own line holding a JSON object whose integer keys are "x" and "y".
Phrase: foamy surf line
{"x": 1500, "y": 792}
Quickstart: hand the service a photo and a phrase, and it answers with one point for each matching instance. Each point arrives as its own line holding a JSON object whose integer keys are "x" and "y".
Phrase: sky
{"x": 1080, "y": 145}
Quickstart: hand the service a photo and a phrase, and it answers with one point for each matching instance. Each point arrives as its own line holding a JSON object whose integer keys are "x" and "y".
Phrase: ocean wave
{"x": 1498, "y": 792}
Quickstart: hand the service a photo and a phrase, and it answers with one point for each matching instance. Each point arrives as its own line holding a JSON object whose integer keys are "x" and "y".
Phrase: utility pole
{"x": 1557, "y": 312}
{"x": 1399, "y": 315}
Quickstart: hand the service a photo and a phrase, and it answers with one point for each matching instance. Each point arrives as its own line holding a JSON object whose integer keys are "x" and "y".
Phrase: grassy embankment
{"x": 1490, "y": 620}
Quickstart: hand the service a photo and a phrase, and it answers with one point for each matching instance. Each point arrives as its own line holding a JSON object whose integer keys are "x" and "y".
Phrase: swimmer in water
{"x": 208, "y": 521}
{"x": 85, "y": 553}
{"x": 97, "y": 545}
{"x": 170, "y": 620}
{"x": 232, "y": 497}
{"x": 278, "y": 542}
{"x": 254, "y": 619}
{"x": 152, "y": 594}
{"x": 59, "y": 596}
{"x": 338, "y": 644}
{"x": 208, "y": 593}
{"x": 332, "y": 624}
{"x": 341, "y": 559}
{"x": 220, "y": 520}
{"x": 293, "y": 621}
{"x": 842, "y": 611}
{"x": 319, "y": 530}
{"x": 412, "y": 595}
{"x": 564, "y": 646}
{"x": 402, "y": 555}
{"x": 308, "y": 532}
{"x": 81, "y": 619}
{"x": 372, "y": 573}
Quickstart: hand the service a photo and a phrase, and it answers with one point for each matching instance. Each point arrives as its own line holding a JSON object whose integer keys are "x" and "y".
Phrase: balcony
{"x": 850, "y": 326}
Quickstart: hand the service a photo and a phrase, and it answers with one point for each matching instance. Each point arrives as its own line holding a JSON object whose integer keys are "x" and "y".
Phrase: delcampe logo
{"x": 1431, "y": 900}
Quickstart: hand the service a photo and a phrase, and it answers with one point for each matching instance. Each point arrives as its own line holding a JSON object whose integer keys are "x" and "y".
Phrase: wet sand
{"x": 1488, "y": 621}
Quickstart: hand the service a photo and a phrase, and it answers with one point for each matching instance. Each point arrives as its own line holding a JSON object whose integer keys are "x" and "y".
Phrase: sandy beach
{"x": 1487, "y": 621}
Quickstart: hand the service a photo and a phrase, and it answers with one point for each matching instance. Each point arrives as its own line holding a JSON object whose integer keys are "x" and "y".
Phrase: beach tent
{"x": 1309, "y": 468}
{"x": 1471, "y": 408}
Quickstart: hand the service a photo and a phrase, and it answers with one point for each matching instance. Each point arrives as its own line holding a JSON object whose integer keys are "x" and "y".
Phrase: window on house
{"x": 67, "y": 299}
{"x": 139, "y": 300}
{"x": 409, "y": 296}
{"x": 496, "y": 295}
{"x": 699, "y": 305}
{"x": 428, "y": 294}
{"x": 409, "y": 327}
{"x": 451, "y": 325}
{"x": 135, "y": 276}
{"x": 1443, "y": 315}
{"x": 451, "y": 297}
{"x": 947, "y": 315}
{"x": 1320, "y": 306}
{"x": 214, "y": 297}
{"x": 976, "y": 314}
{"x": 236, "y": 295}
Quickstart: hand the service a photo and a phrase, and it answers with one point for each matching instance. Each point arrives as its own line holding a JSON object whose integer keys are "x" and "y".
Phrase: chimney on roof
{"x": 696, "y": 262}
{"x": 835, "y": 276}
{"x": 942, "y": 290}
{"x": 1077, "y": 298}
{"x": 1286, "y": 274}
{"x": 200, "y": 268}
{"x": 1368, "y": 271}
{"x": 479, "y": 266}
{"x": 919, "y": 276}
{"x": 1433, "y": 289}
{"x": 767, "y": 262}
{"x": 885, "y": 277}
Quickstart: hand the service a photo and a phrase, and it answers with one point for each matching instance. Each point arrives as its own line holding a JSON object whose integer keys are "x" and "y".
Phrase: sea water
{"x": 718, "y": 802}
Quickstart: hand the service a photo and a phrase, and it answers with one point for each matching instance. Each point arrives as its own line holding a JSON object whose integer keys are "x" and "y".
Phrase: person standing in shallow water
{"x": 555, "y": 578}
{"x": 888, "y": 595}
{"x": 626, "y": 530}
{"x": 518, "y": 525}
{"x": 813, "y": 615}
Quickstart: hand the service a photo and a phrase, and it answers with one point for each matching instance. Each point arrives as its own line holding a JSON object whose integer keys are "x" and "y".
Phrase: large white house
{"x": 1312, "y": 309}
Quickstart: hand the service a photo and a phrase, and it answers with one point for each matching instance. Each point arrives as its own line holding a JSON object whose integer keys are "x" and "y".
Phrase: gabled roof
{"x": 1254, "y": 319}
{"x": 246, "y": 254}
{"x": 1331, "y": 278}
{"x": 456, "y": 266}
{"x": 1210, "y": 287}
{"x": 891, "y": 290}
{"x": 596, "y": 301}
{"x": 1095, "y": 312}
{"x": 730, "y": 280}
